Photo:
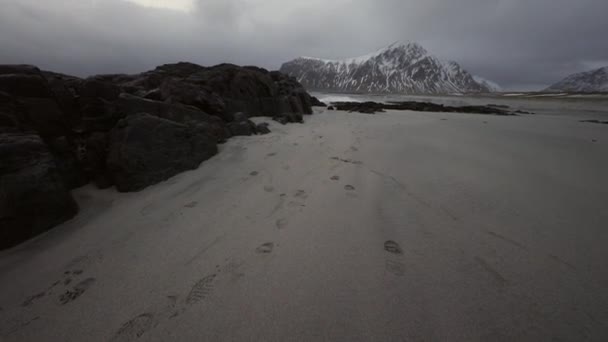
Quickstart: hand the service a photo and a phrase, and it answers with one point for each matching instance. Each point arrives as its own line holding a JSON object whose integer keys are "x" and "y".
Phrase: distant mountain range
{"x": 405, "y": 68}
{"x": 584, "y": 82}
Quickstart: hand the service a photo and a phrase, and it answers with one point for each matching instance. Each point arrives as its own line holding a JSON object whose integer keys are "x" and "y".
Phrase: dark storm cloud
{"x": 517, "y": 43}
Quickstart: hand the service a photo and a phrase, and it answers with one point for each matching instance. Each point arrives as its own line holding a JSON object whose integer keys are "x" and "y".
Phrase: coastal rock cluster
{"x": 371, "y": 107}
{"x": 59, "y": 132}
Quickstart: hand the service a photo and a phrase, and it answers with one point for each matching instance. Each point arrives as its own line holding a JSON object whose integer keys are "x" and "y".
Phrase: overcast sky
{"x": 520, "y": 44}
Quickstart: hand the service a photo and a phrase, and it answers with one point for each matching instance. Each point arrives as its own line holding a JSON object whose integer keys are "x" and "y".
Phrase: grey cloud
{"x": 517, "y": 43}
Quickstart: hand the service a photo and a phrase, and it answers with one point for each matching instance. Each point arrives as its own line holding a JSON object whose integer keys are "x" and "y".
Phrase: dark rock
{"x": 373, "y": 107}
{"x": 281, "y": 119}
{"x": 38, "y": 108}
{"x": 178, "y": 91}
{"x": 33, "y": 197}
{"x": 153, "y": 94}
{"x": 97, "y": 114}
{"x": 68, "y": 165}
{"x": 22, "y": 69}
{"x": 99, "y": 88}
{"x": 262, "y": 128}
{"x": 596, "y": 121}
{"x": 498, "y": 106}
{"x": 145, "y": 149}
{"x": 331, "y": 108}
{"x": 240, "y": 117}
{"x": 188, "y": 115}
{"x": 23, "y": 80}
{"x": 12, "y": 114}
{"x": 238, "y": 128}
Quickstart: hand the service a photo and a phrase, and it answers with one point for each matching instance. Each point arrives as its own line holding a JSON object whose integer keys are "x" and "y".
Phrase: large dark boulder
{"x": 178, "y": 91}
{"x": 12, "y": 114}
{"x": 242, "y": 128}
{"x": 41, "y": 112}
{"x": 33, "y": 196}
{"x": 145, "y": 149}
{"x": 180, "y": 113}
{"x": 262, "y": 128}
{"x": 23, "y": 80}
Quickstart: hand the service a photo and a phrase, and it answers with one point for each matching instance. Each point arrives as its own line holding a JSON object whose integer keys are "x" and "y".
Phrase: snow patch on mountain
{"x": 584, "y": 82}
{"x": 493, "y": 86}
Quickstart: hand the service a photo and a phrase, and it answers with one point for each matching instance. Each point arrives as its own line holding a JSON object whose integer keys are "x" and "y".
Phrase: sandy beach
{"x": 399, "y": 226}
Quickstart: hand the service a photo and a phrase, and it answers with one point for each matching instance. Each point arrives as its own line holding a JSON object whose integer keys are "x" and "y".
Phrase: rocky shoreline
{"x": 371, "y": 107}
{"x": 59, "y": 132}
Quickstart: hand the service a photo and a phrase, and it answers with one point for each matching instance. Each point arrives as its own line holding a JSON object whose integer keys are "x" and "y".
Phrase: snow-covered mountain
{"x": 584, "y": 82}
{"x": 492, "y": 86}
{"x": 398, "y": 68}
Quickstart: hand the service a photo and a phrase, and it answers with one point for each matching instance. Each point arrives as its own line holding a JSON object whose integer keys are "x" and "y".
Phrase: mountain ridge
{"x": 595, "y": 80}
{"x": 397, "y": 68}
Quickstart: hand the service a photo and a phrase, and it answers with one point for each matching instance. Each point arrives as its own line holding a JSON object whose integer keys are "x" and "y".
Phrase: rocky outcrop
{"x": 145, "y": 149}
{"x": 373, "y": 107}
{"x": 125, "y": 130}
{"x": 33, "y": 195}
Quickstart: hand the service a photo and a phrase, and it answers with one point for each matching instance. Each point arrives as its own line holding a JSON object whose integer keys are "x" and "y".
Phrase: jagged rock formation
{"x": 398, "y": 68}
{"x": 58, "y": 132}
{"x": 594, "y": 81}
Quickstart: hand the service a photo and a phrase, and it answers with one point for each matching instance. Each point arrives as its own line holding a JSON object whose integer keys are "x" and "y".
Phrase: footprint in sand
{"x": 265, "y": 248}
{"x": 268, "y": 188}
{"x": 201, "y": 290}
{"x": 271, "y": 154}
{"x": 301, "y": 194}
{"x": 76, "y": 291}
{"x": 335, "y": 178}
{"x": 134, "y": 328}
{"x": 32, "y": 299}
{"x": 254, "y": 173}
{"x": 191, "y": 204}
{"x": 349, "y": 188}
{"x": 392, "y": 247}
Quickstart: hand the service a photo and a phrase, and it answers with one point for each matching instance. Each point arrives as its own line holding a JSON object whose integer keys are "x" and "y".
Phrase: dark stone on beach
{"x": 373, "y": 107}
{"x": 145, "y": 149}
{"x": 33, "y": 196}
{"x": 289, "y": 118}
{"x": 605, "y": 122}
{"x": 242, "y": 128}
{"x": 498, "y": 106}
{"x": 262, "y": 128}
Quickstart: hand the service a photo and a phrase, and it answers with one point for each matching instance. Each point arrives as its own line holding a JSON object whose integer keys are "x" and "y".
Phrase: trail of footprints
{"x": 202, "y": 289}
{"x": 71, "y": 277}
